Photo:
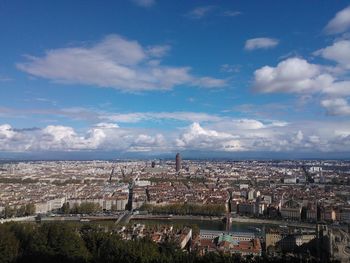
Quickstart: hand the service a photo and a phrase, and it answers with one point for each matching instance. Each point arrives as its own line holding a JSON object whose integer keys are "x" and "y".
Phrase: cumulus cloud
{"x": 294, "y": 137}
{"x": 196, "y": 137}
{"x": 340, "y": 23}
{"x": 337, "y": 106}
{"x": 6, "y": 132}
{"x": 338, "y": 52}
{"x": 106, "y": 136}
{"x": 260, "y": 43}
{"x": 340, "y": 88}
{"x": 241, "y": 135}
{"x": 11, "y": 140}
{"x": 146, "y": 143}
{"x": 291, "y": 75}
{"x": 115, "y": 62}
{"x": 296, "y": 75}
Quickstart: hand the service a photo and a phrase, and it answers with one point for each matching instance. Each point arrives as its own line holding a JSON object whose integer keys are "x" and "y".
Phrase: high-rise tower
{"x": 178, "y": 162}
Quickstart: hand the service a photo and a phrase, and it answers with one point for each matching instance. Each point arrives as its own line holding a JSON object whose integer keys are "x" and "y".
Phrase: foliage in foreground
{"x": 74, "y": 243}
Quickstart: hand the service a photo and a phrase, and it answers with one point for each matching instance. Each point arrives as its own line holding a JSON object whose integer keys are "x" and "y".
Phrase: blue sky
{"x": 153, "y": 77}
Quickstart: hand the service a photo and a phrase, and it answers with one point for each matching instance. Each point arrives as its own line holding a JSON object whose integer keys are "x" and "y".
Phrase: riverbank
{"x": 234, "y": 220}
{"x": 177, "y": 217}
{"x": 18, "y": 219}
{"x": 271, "y": 222}
{"x": 164, "y": 218}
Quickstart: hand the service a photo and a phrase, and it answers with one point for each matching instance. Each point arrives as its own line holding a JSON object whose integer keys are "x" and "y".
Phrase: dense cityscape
{"x": 154, "y": 131}
{"x": 299, "y": 207}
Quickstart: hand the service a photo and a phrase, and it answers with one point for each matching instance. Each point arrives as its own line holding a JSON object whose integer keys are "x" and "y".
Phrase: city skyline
{"x": 139, "y": 79}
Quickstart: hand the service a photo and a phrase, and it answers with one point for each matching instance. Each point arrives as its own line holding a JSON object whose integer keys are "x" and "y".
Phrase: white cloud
{"x": 59, "y": 137}
{"x": 158, "y": 51}
{"x": 11, "y": 140}
{"x": 203, "y": 11}
{"x": 59, "y": 133}
{"x": 230, "y": 68}
{"x": 200, "y": 12}
{"x": 337, "y": 106}
{"x": 196, "y": 137}
{"x": 340, "y": 23}
{"x": 107, "y": 136}
{"x": 107, "y": 125}
{"x": 98, "y": 116}
{"x": 247, "y": 124}
{"x": 115, "y": 62}
{"x": 295, "y": 137}
{"x": 296, "y": 75}
{"x": 260, "y": 43}
{"x": 291, "y": 75}
{"x": 299, "y": 136}
{"x": 231, "y": 13}
{"x": 238, "y": 124}
{"x": 144, "y": 3}
{"x": 208, "y": 82}
{"x": 147, "y": 116}
{"x": 340, "y": 88}
{"x": 251, "y": 135}
{"x": 338, "y": 52}
{"x": 6, "y": 132}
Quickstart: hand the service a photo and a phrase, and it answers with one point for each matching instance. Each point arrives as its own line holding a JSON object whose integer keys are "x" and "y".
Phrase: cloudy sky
{"x": 155, "y": 77}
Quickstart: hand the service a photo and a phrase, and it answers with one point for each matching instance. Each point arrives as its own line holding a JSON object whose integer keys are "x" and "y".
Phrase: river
{"x": 207, "y": 224}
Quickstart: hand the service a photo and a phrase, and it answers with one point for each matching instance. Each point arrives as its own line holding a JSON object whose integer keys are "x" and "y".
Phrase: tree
{"x": 65, "y": 209}
{"x": 9, "y": 212}
{"x": 57, "y": 242}
{"x": 86, "y": 208}
{"x": 9, "y": 245}
{"x": 23, "y": 233}
{"x": 21, "y": 211}
{"x": 29, "y": 209}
